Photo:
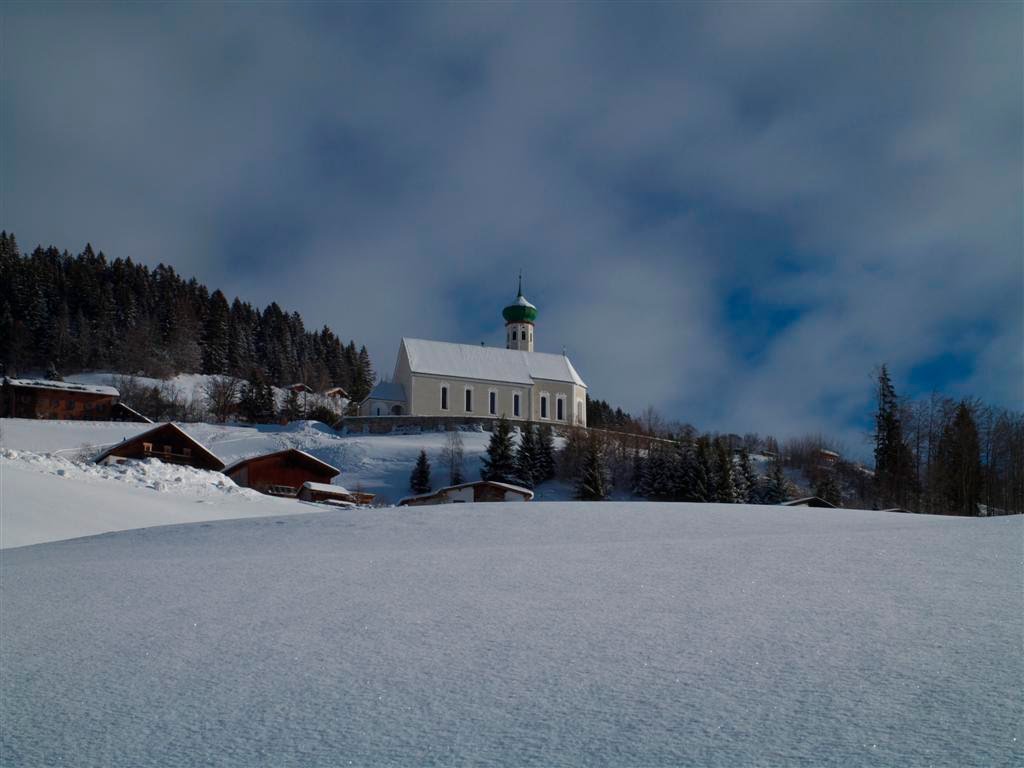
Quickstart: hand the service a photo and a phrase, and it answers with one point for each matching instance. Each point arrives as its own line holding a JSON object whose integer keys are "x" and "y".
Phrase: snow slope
{"x": 527, "y": 634}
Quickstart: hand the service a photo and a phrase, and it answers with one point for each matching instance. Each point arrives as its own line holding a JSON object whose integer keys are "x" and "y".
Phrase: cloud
{"x": 851, "y": 172}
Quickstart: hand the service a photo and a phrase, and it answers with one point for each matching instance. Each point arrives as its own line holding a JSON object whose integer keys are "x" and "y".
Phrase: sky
{"x": 732, "y": 212}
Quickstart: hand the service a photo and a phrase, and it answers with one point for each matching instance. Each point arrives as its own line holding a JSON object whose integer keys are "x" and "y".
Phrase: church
{"x": 439, "y": 378}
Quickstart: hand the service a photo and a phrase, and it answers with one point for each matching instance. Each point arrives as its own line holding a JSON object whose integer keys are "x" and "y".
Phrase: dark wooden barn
{"x": 282, "y": 473}
{"x": 169, "y": 443}
{"x": 40, "y": 399}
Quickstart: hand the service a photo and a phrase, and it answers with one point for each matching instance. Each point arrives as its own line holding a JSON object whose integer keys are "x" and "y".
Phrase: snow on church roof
{"x": 388, "y": 390}
{"x": 468, "y": 361}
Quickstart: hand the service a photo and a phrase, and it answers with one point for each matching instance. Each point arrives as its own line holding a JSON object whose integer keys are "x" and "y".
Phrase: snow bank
{"x": 541, "y": 634}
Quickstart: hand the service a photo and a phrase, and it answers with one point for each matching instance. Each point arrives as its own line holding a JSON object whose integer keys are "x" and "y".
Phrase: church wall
{"x": 554, "y": 390}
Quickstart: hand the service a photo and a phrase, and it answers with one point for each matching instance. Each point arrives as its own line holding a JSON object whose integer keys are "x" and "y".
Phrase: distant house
{"x": 335, "y": 393}
{"x": 167, "y": 442}
{"x": 121, "y": 412}
{"x": 300, "y": 388}
{"x": 282, "y": 473}
{"x": 809, "y": 501}
{"x": 827, "y": 458}
{"x": 41, "y": 399}
{"x": 325, "y": 493}
{"x": 479, "y": 490}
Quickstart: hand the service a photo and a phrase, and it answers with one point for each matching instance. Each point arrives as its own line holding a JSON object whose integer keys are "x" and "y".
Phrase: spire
{"x": 520, "y": 292}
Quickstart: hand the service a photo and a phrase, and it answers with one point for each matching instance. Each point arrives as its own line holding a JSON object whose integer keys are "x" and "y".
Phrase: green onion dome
{"x": 521, "y": 311}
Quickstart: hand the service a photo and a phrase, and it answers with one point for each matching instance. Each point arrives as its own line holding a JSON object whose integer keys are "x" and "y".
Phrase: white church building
{"x": 438, "y": 378}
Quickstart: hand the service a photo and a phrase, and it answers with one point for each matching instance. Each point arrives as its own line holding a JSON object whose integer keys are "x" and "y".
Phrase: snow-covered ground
{"x": 35, "y": 511}
{"x": 529, "y": 634}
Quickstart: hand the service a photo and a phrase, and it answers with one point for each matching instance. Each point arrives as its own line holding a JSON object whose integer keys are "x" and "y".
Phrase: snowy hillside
{"x": 543, "y": 634}
{"x": 36, "y": 509}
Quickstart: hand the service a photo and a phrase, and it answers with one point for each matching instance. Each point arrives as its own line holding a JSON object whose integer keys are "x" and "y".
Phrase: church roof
{"x": 388, "y": 390}
{"x": 468, "y": 361}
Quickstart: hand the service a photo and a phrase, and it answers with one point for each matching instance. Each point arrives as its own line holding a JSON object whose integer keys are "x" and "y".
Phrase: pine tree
{"x": 828, "y": 489}
{"x": 746, "y": 479}
{"x": 545, "y": 465}
{"x": 419, "y": 481}
{"x": 527, "y": 458}
{"x": 593, "y": 483}
{"x": 500, "y": 463}
{"x": 894, "y": 461}
{"x": 725, "y": 486}
{"x": 959, "y": 463}
{"x": 216, "y": 337}
{"x": 778, "y": 488}
{"x": 702, "y": 484}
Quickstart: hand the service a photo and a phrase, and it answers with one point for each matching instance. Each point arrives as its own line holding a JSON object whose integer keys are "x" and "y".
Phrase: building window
{"x": 186, "y": 452}
{"x": 444, "y": 398}
{"x": 579, "y": 411}
{"x": 168, "y": 450}
{"x": 147, "y": 447}
{"x": 71, "y": 404}
{"x": 543, "y": 406}
{"x": 492, "y": 402}
{"x": 560, "y": 409}
{"x": 469, "y": 400}
{"x": 515, "y": 404}
{"x": 513, "y": 335}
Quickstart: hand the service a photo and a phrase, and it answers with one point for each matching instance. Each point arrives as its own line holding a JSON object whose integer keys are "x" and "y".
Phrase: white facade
{"x": 437, "y": 378}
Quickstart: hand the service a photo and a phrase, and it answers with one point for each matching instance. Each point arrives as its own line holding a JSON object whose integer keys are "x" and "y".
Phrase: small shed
{"x": 809, "y": 501}
{"x": 281, "y": 473}
{"x": 477, "y": 491}
{"x": 167, "y": 442}
{"x": 325, "y": 493}
{"x": 43, "y": 399}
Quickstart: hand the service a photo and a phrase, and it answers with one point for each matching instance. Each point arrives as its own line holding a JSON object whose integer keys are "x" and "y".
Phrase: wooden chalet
{"x": 325, "y": 493}
{"x": 167, "y": 442}
{"x": 41, "y": 399}
{"x": 337, "y": 393}
{"x": 477, "y": 491}
{"x": 300, "y": 388}
{"x": 282, "y": 473}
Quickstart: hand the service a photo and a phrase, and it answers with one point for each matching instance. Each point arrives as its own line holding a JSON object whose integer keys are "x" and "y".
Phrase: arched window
{"x": 560, "y": 409}
{"x": 469, "y": 399}
{"x": 544, "y": 406}
{"x": 444, "y": 398}
{"x": 515, "y": 404}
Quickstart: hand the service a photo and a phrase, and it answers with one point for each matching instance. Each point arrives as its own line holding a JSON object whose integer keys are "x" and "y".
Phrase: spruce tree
{"x": 545, "y": 465}
{"x": 828, "y": 489}
{"x": 778, "y": 489}
{"x": 499, "y": 464}
{"x": 746, "y": 479}
{"x": 593, "y": 483}
{"x": 702, "y": 486}
{"x": 725, "y": 486}
{"x": 215, "y": 335}
{"x": 419, "y": 481}
{"x": 527, "y": 458}
{"x": 293, "y": 406}
{"x": 959, "y": 463}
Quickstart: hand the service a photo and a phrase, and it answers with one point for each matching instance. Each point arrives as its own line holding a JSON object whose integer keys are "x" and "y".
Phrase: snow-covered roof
{"x": 468, "y": 361}
{"x": 326, "y": 488}
{"x": 67, "y": 386}
{"x": 522, "y": 302}
{"x": 809, "y": 501}
{"x": 307, "y": 457}
{"x": 388, "y": 390}
{"x": 440, "y": 491}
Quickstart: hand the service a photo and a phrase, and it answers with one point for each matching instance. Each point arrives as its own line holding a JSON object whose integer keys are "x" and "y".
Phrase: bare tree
{"x": 222, "y": 393}
{"x": 452, "y": 457}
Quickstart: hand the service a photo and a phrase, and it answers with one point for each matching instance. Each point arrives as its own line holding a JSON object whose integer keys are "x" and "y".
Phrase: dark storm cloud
{"x": 729, "y": 211}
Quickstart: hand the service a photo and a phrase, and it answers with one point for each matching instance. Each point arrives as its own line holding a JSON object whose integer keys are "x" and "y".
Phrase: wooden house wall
{"x": 35, "y": 403}
{"x": 168, "y": 446}
{"x": 279, "y": 470}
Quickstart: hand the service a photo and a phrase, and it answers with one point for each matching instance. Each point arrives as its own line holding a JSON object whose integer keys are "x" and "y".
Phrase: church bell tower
{"x": 519, "y": 319}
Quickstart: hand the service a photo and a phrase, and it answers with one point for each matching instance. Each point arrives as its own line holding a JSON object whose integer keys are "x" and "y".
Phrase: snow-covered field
{"x": 525, "y": 634}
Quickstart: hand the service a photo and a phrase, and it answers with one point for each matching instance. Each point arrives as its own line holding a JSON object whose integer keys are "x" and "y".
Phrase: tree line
{"x": 63, "y": 314}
